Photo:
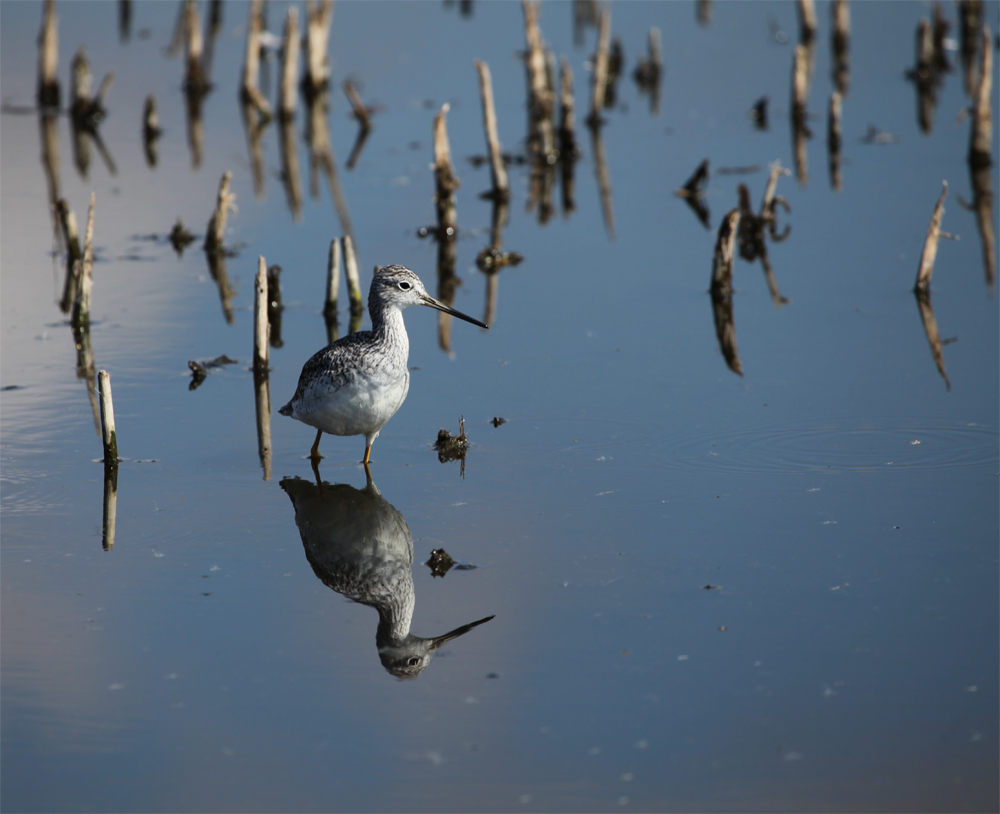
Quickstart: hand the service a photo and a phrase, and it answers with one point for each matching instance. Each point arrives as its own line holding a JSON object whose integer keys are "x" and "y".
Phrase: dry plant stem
{"x": 841, "y": 18}
{"x": 73, "y": 254}
{"x": 332, "y": 281}
{"x": 722, "y": 260}
{"x": 929, "y": 254}
{"x": 318, "y": 21}
{"x": 110, "y": 507}
{"x": 217, "y": 223}
{"x": 290, "y": 64}
{"x": 982, "y": 119}
{"x": 501, "y": 187}
{"x": 108, "y": 434}
{"x": 48, "y": 57}
{"x": 446, "y": 182}
{"x": 260, "y": 326}
{"x": 353, "y": 279}
{"x": 600, "y": 78}
{"x": 85, "y": 276}
{"x": 251, "y": 65}
{"x": 800, "y": 91}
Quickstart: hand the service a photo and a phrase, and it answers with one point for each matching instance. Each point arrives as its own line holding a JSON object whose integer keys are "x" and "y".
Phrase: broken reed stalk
{"x": 108, "y": 434}
{"x": 251, "y": 65}
{"x": 85, "y": 275}
{"x": 445, "y": 180}
{"x": 353, "y": 280}
{"x": 929, "y": 254}
{"x": 807, "y": 21}
{"x": 260, "y": 325}
{"x": 318, "y": 20}
{"x": 217, "y": 223}
{"x": 722, "y": 260}
{"x": 73, "y": 254}
{"x": 600, "y": 77}
{"x": 48, "y": 58}
{"x": 981, "y": 139}
{"x": 290, "y": 64}
{"x": 841, "y": 14}
{"x": 501, "y": 186}
{"x": 833, "y": 140}
{"x": 332, "y": 289}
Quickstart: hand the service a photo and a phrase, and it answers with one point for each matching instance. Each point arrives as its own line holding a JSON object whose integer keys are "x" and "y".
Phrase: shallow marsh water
{"x": 711, "y": 592}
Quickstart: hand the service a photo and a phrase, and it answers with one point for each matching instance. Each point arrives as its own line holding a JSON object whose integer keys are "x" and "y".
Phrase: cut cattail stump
{"x": 353, "y": 284}
{"x": 251, "y": 66}
{"x": 217, "y": 223}
{"x": 501, "y": 186}
{"x": 73, "y": 254}
{"x": 600, "y": 77}
{"x": 108, "y": 434}
{"x": 841, "y": 37}
{"x": 833, "y": 140}
{"x": 929, "y": 253}
{"x": 289, "y": 65}
{"x": 48, "y": 58}
{"x": 332, "y": 289}
{"x": 85, "y": 275}
{"x": 260, "y": 327}
{"x": 722, "y": 260}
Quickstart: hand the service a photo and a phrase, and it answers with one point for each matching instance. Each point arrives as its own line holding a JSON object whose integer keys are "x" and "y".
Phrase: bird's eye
{"x": 404, "y": 286}
{"x": 412, "y": 661}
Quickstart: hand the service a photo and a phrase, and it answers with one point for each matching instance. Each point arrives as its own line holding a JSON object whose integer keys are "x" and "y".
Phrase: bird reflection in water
{"x": 359, "y": 545}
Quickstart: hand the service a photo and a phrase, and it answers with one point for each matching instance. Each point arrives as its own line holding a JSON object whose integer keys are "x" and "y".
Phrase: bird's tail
{"x": 286, "y": 410}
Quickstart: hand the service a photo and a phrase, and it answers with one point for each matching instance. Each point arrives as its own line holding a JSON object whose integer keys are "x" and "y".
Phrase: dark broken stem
{"x": 446, "y": 182}
{"x": 150, "y": 130}
{"x": 841, "y": 38}
{"x": 929, "y": 254}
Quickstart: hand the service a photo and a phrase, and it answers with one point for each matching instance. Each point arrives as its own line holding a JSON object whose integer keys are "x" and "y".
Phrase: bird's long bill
{"x": 459, "y": 631}
{"x": 433, "y": 303}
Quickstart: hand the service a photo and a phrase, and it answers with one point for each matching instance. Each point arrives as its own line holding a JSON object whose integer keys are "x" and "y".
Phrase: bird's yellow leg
{"x": 368, "y": 451}
{"x": 314, "y": 452}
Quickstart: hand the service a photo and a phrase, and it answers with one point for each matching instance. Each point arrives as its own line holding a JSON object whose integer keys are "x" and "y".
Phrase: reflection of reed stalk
{"x": 260, "y": 327}
{"x": 501, "y": 187}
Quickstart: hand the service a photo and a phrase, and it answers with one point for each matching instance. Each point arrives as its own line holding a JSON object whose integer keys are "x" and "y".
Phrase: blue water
{"x": 711, "y": 592}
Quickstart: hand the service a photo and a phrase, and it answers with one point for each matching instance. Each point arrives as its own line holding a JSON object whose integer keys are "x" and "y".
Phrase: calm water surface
{"x": 711, "y": 591}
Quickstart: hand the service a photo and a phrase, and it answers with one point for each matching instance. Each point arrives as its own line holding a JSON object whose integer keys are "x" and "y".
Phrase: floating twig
{"x": 501, "y": 187}
{"x": 929, "y": 254}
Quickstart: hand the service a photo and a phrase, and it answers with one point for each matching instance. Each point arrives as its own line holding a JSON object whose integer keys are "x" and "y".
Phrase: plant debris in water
{"x": 452, "y": 448}
{"x": 498, "y": 421}
{"x": 440, "y": 562}
{"x": 199, "y": 370}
